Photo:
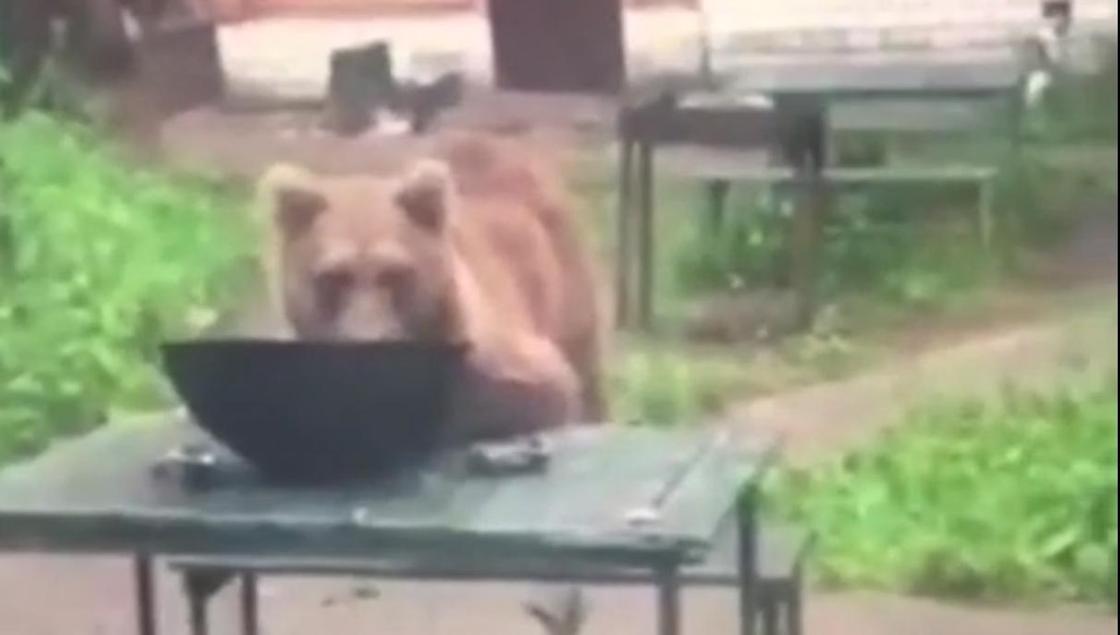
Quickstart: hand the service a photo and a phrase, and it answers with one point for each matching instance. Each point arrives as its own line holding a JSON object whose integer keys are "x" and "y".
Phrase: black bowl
{"x": 314, "y": 411}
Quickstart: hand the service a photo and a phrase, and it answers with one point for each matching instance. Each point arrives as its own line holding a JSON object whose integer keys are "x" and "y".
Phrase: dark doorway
{"x": 557, "y": 45}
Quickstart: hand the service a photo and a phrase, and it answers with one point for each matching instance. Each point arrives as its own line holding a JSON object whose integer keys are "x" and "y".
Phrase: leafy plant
{"x": 749, "y": 250}
{"x": 99, "y": 262}
{"x": 1011, "y": 499}
{"x": 664, "y": 387}
{"x": 1080, "y": 108}
{"x": 881, "y": 242}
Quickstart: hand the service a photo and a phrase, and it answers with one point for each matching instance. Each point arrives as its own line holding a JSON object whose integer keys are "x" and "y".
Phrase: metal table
{"x": 795, "y": 128}
{"x": 614, "y": 498}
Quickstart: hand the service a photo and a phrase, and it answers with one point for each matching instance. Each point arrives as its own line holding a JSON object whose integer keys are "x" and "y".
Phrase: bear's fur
{"x": 476, "y": 244}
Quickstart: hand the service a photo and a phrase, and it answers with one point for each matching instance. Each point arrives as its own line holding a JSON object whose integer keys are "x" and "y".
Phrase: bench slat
{"x": 751, "y": 168}
{"x": 899, "y": 115}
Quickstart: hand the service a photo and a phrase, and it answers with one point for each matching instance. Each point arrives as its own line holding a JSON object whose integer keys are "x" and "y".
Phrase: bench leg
{"x": 793, "y": 606}
{"x": 768, "y": 612}
{"x": 250, "y": 620}
{"x": 145, "y": 595}
{"x": 717, "y": 203}
{"x": 984, "y": 210}
{"x": 668, "y": 601}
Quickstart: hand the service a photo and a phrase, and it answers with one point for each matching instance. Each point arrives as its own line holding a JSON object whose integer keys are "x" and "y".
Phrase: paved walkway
{"x": 827, "y": 419}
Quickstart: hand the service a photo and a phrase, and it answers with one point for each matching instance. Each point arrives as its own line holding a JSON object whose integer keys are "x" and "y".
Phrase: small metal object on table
{"x": 795, "y": 129}
{"x": 612, "y": 499}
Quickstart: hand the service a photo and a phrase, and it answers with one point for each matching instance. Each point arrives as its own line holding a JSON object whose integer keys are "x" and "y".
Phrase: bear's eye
{"x": 333, "y": 287}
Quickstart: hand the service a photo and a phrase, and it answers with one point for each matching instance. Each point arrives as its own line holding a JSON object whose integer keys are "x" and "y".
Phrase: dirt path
{"x": 828, "y": 418}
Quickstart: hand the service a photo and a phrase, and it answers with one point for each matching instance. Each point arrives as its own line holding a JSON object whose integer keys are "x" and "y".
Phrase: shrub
{"x": 99, "y": 262}
{"x": 1013, "y": 499}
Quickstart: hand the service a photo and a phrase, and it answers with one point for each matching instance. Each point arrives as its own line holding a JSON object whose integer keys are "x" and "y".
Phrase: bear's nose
{"x": 370, "y": 316}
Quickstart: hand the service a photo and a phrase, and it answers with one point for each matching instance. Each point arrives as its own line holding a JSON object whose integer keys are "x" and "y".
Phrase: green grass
{"x": 664, "y": 384}
{"x": 1080, "y": 109}
{"x": 671, "y": 381}
{"x": 1013, "y": 499}
{"x": 99, "y": 262}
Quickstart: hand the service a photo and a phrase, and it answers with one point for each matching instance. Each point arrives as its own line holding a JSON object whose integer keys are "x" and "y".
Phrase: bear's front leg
{"x": 523, "y": 387}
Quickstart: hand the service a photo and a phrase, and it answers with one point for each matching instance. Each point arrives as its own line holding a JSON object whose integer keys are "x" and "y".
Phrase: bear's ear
{"x": 292, "y": 198}
{"x": 426, "y": 194}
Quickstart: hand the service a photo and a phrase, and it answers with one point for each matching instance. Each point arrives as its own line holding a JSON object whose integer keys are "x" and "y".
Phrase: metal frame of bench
{"x": 718, "y": 171}
{"x": 797, "y": 127}
{"x": 781, "y": 553}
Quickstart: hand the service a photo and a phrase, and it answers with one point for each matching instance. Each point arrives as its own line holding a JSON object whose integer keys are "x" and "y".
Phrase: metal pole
{"x": 250, "y": 622}
{"x": 748, "y": 562}
{"x": 668, "y": 600}
{"x": 145, "y": 595}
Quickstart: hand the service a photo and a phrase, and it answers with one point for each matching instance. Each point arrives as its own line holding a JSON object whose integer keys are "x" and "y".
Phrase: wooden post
{"x": 804, "y": 142}
{"x": 227, "y": 10}
{"x": 624, "y": 228}
{"x": 646, "y": 235}
{"x": 805, "y": 242}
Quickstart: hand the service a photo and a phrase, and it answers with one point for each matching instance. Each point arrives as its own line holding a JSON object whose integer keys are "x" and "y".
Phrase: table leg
{"x": 769, "y": 614}
{"x": 646, "y": 236}
{"x": 805, "y": 243}
{"x": 668, "y": 601}
{"x": 145, "y": 595}
{"x": 250, "y": 620}
{"x": 748, "y": 563}
{"x": 624, "y": 258}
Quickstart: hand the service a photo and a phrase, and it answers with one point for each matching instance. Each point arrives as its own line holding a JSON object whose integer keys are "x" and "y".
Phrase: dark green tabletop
{"x": 611, "y": 492}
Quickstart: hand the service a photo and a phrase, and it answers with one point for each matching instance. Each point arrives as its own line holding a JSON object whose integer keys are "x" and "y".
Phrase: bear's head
{"x": 364, "y": 258}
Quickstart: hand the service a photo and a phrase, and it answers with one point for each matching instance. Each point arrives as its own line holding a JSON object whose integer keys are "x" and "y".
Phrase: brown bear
{"x": 475, "y": 244}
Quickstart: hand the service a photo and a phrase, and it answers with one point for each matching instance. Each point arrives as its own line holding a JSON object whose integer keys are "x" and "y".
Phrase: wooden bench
{"x": 781, "y": 556}
{"x": 929, "y": 115}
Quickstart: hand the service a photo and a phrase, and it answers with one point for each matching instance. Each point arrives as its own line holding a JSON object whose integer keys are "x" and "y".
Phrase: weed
{"x": 99, "y": 262}
{"x": 1009, "y": 499}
